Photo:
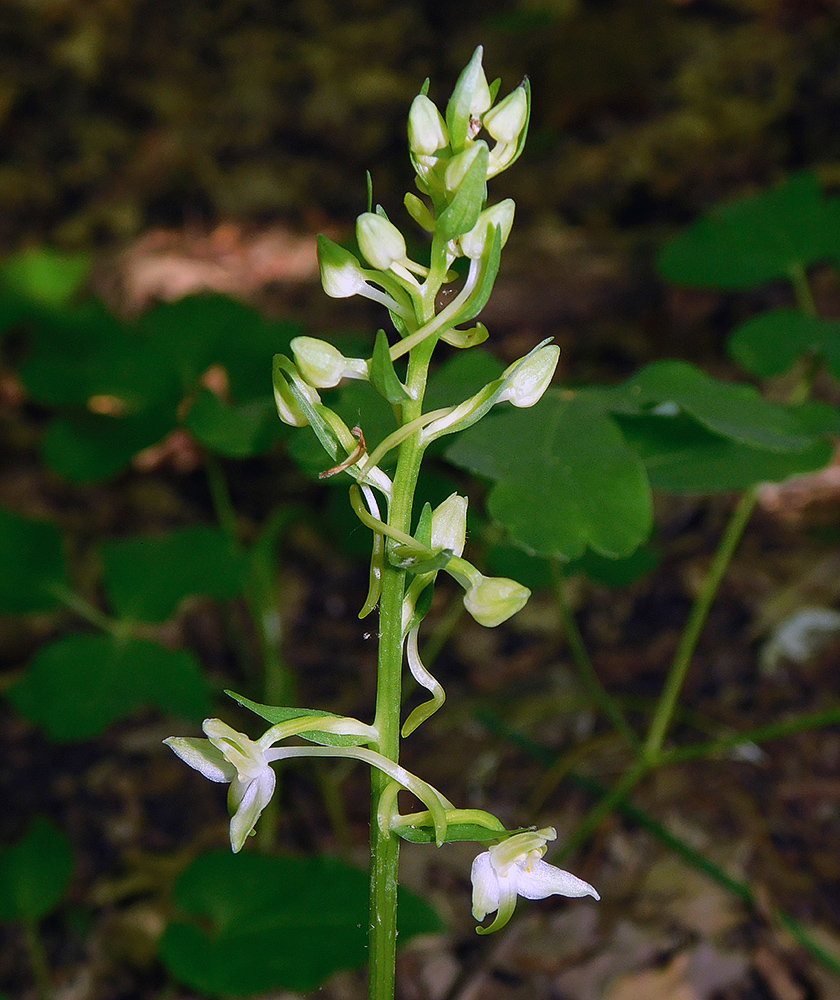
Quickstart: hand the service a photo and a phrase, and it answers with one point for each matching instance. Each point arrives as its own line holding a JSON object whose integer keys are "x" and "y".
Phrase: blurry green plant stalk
{"x": 453, "y": 163}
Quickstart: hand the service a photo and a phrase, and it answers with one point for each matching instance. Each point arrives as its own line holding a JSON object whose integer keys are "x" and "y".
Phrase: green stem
{"x": 802, "y": 290}
{"x": 89, "y": 612}
{"x": 37, "y": 960}
{"x": 761, "y": 734}
{"x": 384, "y": 846}
{"x": 611, "y": 800}
{"x": 598, "y": 694}
{"x": 694, "y": 626}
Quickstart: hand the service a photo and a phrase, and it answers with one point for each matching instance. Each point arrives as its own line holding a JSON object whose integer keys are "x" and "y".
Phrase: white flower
{"x": 515, "y": 868}
{"x": 227, "y": 755}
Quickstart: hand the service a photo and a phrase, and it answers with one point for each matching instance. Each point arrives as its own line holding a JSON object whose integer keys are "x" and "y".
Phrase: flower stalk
{"x": 453, "y": 163}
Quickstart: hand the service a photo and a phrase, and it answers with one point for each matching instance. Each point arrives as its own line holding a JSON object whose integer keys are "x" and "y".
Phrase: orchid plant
{"x": 454, "y": 155}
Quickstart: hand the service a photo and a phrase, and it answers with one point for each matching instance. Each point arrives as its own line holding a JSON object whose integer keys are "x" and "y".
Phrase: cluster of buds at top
{"x": 437, "y": 143}
{"x": 453, "y": 158}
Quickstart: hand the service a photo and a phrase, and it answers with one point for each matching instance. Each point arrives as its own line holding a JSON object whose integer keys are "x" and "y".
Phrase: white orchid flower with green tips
{"x": 227, "y": 755}
{"x": 515, "y": 868}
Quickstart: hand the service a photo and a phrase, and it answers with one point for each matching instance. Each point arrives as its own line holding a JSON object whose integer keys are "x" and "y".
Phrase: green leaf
{"x": 382, "y": 373}
{"x": 490, "y": 268}
{"x": 455, "y": 832}
{"x": 90, "y": 447}
{"x": 772, "y": 342}
{"x": 147, "y": 578}
{"x": 85, "y": 351}
{"x": 35, "y": 873}
{"x": 462, "y": 213}
{"x": 257, "y": 924}
{"x": 233, "y": 431}
{"x": 44, "y": 276}
{"x": 77, "y": 686}
{"x": 274, "y": 715}
{"x": 730, "y": 410}
{"x": 683, "y": 457}
{"x": 756, "y": 239}
{"x": 202, "y": 330}
{"x": 406, "y": 557}
{"x": 614, "y": 572}
{"x": 564, "y": 478}
{"x": 509, "y": 560}
{"x": 32, "y": 555}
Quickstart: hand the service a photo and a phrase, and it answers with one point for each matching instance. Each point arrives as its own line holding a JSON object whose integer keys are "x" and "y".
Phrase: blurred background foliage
{"x": 118, "y": 114}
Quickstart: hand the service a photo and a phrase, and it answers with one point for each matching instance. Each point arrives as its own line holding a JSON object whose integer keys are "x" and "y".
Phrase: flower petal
{"x": 485, "y": 897}
{"x": 257, "y": 796}
{"x": 203, "y": 756}
{"x": 540, "y": 879}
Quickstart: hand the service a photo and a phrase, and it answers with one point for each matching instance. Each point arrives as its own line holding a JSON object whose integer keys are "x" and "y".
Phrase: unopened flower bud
{"x": 471, "y": 88}
{"x": 460, "y": 164}
{"x": 341, "y": 273}
{"x": 507, "y": 119}
{"x": 501, "y": 215}
{"x": 379, "y": 240}
{"x": 491, "y": 600}
{"x": 323, "y": 365}
{"x": 449, "y": 524}
{"x": 287, "y": 406}
{"x": 532, "y": 377}
{"x": 426, "y": 127}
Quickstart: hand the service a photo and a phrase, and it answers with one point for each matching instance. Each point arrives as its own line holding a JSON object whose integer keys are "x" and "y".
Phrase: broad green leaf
{"x": 614, "y": 572}
{"x": 233, "y": 431}
{"x": 771, "y": 343}
{"x": 274, "y": 714}
{"x": 84, "y": 351}
{"x": 32, "y": 558}
{"x": 382, "y": 373}
{"x": 202, "y": 330}
{"x": 756, "y": 239}
{"x": 733, "y": 411}
{"x": 564, "y": 478}
{"x": 147, "y": 578}
{"x": 77, "y": 686}
{"x": 254, "y": 924}
{"x": 683, "y": 457}
{"x": 34, "y": 873}
{"x": 43, "y": 276}
{"x": 89, "y": 447}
